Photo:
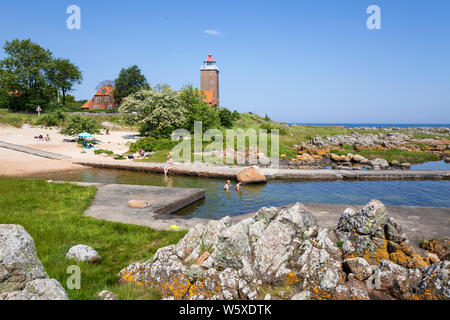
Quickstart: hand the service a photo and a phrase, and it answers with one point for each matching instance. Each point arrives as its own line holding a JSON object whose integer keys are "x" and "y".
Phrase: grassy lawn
{"x": 16, "y": 119}
{"x": 391, "y": 154}
{"x": 52, "y": 214}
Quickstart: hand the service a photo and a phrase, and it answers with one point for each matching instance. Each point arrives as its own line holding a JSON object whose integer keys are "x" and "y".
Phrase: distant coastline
{"x": 382, "y": 125}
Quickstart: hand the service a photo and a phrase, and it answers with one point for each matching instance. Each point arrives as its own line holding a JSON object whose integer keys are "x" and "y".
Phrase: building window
{"x": 110, "y": 107}
{"x": 211, "y": 73}
{"x": 97, "y": 99}
{"x": 106, "y": 99}
{"x": 95, "y": 107}
{"x": 103, "y": 91}
{"x": 211, "y": 82}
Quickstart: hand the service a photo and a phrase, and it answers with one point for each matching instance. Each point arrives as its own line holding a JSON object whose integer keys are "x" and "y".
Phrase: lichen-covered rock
{"x": 440, "y": 247}
{"x": 82, "y": 252}
{"x": 19, "y": 262}
{"x": 435, "y": 282}
{"x": 359, "y": 267}
{"x": 22, "y": 275}
{"x": 285, "y": 251}
{"x": 398, "y": 281}
{"x": 39, "y": 289}
{"x": 271, "y": 247}
{"x": 371, "y": 234}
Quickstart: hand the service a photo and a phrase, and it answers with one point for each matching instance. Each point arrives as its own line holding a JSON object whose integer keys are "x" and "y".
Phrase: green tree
{"x": 198, "y": 110}
{"x": 78, "y": 124}
{"x": 226, "y": 117}
{"x": 156, "y": 113}
{"x": 129, "y": 81}
{"x": 64, "y": 75}
{"x": 25, "y": 69}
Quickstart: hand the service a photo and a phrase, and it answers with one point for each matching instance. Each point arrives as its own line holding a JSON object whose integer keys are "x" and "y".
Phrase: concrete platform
{"x": 230, "y": 172}
{"x": 111, "y": 204}
{"x": 111, "y": 201}
{"x": 35, "y": 152}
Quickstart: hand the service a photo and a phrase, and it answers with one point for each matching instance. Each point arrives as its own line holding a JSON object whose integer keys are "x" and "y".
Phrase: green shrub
{"x": 149, "y": 144}
{"x": 100, "y": 151}
{"x": 51, "y": 119}
{"x": 77, "y": 124}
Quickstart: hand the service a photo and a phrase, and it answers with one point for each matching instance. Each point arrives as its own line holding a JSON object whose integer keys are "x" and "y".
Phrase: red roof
{"x": 210, "y": 58}
{"x": 108, "y": 91}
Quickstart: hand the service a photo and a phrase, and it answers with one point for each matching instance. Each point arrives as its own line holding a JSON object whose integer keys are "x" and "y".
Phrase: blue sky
{"x": 297, "y": 61}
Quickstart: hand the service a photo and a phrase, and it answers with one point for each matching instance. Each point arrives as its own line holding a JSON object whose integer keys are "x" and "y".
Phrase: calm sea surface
{"x": 399, "y": 125}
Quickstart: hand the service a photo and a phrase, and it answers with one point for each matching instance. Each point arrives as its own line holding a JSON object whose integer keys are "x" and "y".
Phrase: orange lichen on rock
{"x": 319, "y": 294}
{"x": 291, "y": 279}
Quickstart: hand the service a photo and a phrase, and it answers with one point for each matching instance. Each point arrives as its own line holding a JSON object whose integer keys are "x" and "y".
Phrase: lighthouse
{"x": 209, "y": 80}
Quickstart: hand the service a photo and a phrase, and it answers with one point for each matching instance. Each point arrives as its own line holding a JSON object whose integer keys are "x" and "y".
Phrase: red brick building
{"x": 209, "y": 81}
{"x": 103, "y": 99}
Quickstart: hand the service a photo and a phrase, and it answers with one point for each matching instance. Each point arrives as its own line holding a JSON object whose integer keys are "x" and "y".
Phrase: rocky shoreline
{"x": 318, "y": 152}
{"x": 283, "y": 254}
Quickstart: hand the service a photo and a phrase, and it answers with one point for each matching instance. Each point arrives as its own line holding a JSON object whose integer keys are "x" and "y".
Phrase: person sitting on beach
{"x": 47, "y": 138}
{"x": 227, "y": 185}
{"x": 168, "y": 165}
{"x": 107, "y": 132}
{"x": 141, "y": 153}
{"x": 238, "y": 186}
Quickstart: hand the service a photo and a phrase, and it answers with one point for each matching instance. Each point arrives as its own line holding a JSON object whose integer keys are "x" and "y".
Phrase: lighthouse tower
{"x": 209, "y": 80}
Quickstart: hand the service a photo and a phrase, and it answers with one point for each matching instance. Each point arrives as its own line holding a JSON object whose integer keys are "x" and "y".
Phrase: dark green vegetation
{"x": 129, "y": 81}
{"x": 31, "y": 77}
{"x": 77, "y": 124}
{"x": 390, "y": 155}
{"x": 52, "y": 214}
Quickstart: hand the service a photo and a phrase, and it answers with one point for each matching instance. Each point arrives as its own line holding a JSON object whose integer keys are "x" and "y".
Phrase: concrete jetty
{"x": 111, "y": 204}
{"x": 230, "y": 172}
{"x": 35, "y": 152}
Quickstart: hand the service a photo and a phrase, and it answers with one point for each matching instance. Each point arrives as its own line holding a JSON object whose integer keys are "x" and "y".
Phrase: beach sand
{"x": 15, "y": 163}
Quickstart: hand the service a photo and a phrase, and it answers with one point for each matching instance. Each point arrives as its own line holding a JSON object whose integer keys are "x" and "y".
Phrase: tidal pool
{"x": 218, "y": 203}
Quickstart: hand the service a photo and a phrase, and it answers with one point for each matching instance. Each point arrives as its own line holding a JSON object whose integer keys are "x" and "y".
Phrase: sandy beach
{"x": 15, "y": 163}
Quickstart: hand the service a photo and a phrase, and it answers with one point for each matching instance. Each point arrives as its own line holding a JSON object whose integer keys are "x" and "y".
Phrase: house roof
{"x": 108, "y": 91}
{"x": 208, "y": 96}
{"x": 87, "y": 104}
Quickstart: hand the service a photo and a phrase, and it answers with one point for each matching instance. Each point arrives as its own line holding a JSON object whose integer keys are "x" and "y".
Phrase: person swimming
{"x": 238, "y": 186}
{"x": 227, "y": 185}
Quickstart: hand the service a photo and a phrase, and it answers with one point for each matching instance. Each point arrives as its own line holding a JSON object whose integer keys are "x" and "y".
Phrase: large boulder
{"x": 22, "y": 275}
{"x": 371, "y": 234}
{"x": 251, "y": 175}
{"x": 380, "y": 163}
{"x": 39, "y": 289}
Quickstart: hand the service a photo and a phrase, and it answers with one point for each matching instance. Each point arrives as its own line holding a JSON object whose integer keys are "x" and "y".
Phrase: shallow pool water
{"x": 218, "y": 203}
